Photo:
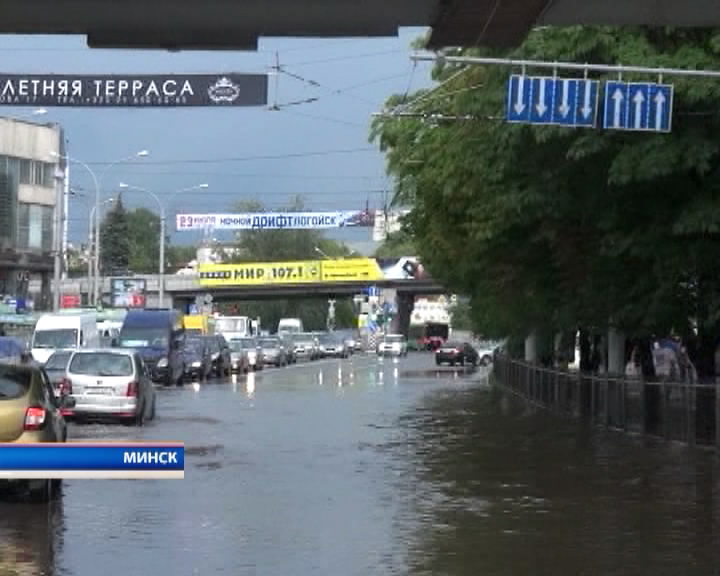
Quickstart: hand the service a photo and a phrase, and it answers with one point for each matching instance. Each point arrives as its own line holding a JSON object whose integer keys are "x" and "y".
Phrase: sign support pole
{"x": 610, "y": 68}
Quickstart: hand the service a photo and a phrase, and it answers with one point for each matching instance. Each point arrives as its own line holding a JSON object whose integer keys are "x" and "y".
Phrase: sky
{"x": 317, "y": 150}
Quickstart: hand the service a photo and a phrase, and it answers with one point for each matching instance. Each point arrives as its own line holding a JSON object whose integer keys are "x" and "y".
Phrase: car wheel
{"x": 485, "y": 360}
{"x": 56, "y": 486}
{"x": 140, "y": 418}
{"x": 437, "y": 362}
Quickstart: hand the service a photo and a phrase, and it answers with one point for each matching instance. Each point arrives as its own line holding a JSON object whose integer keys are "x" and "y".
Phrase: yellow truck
{"x": 199, "y": 324}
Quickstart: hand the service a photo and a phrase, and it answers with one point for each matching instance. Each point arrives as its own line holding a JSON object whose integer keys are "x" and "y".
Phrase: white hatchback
{"x": 111, "y": 383}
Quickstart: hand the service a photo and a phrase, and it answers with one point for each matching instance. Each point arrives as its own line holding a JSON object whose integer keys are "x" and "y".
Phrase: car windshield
{"x": 14, "y": 385}
{"x": 101, "y": 364}
{"x": 269, "y": 342}
{"x": 230, "y": 324}
{"x": 58, "y": 361}
{"x": 452, "y": 345}
{"x": 194, "y": 345}
{"x": 62, "y": 338}
{"x": 143, "y": 338}
{"x": 394, "y": 339}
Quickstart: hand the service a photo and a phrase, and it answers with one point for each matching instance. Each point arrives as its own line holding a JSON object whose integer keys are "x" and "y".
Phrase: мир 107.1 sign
{"x": 133, "y": 91}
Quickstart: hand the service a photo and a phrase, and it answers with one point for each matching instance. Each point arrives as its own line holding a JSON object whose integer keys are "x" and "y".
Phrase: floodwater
{"x": 369, "y": 467}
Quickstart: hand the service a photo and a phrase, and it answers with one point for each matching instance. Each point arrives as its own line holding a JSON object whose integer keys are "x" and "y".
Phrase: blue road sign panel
{"x": 642, "y": 107}
{"x": 559, "y": 101}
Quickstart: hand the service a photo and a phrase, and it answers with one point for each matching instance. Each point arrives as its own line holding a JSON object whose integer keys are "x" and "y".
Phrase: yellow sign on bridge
{"x": 299, "y": 272}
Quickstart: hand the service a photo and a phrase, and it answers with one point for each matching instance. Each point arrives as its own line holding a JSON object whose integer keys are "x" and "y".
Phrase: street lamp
{"x": 321, "y": 253}
{"x": 97, "y": 181}
{"x": 161, "y": 267}
{"x": 93, "y": 211}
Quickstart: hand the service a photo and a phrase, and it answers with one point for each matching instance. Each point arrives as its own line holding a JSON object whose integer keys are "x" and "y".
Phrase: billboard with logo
{"x": 127, "y": 292}
{"x": 331, "y": 271}
{"x": 276, "y": 220}
{"x": 133, "y": 90}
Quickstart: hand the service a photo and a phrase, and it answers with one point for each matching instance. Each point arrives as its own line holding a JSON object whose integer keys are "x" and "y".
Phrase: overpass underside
{"x": 234, "y": 293}
{"x": 228, "y": 24}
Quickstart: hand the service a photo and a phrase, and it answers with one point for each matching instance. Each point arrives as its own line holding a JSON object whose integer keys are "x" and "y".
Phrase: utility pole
{"x": 57, "y": 237}
{"x": 65, "y": 212}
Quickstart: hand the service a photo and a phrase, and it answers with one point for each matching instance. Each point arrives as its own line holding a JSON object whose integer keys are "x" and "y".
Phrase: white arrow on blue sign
{"x": 642, "y": 107}
{"x": 558, "y": 101}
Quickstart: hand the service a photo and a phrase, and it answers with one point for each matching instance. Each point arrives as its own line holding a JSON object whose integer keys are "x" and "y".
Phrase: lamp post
{"x": 161, "y": 265}
{"x": 93, "y": 215}
{"x": 97, "y": 182}
{"x": 322, "y": 253}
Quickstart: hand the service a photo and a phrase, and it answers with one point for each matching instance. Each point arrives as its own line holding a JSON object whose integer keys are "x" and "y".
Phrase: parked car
{"x": 332, "y": 346}
{"x": 457, "y": 353}
{"x": 239, "y": 354}
{"x": 198, "y": 360}
{"x": 31, "y": 413}
{"x": 110, "y": 383}
{"x": 256, "y": 359}
{"x": 273, "y": 351}
{"x": 56, "y": 369}
{"x": 393, "y": 345}
{"x": 219, "y": 354}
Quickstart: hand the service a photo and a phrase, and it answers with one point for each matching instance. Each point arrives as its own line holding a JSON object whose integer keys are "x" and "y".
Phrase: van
{"x": 64, "y": 331}
{"x": 159, "y": 336}
{"x": 290, "y": 326}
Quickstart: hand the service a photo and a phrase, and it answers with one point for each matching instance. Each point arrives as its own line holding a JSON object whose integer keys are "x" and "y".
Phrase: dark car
{"x": 159, "y": 336}
{"x": 198, "y": 360}
{"x": 219, "y": 354}
{"x": 56, "y": 369}
{"x": 456, "y": 353}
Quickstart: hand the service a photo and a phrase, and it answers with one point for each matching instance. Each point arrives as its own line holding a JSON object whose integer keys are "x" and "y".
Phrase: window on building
{"x": 48, "y": 175}
{"x": 8, "y": 195}
{"x": 35, "y": 227}
{"x": 25, "y": 171}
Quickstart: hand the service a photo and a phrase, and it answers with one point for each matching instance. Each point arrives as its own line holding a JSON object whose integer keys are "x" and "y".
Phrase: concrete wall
{"x": 29, "y": 140}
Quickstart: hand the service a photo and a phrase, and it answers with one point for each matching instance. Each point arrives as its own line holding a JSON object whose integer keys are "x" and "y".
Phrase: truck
{"x": 64, "y": 331}
{"x": 199, "y": 324}
{"x": 232, "y": 327}
{"x": 290, "y": 326}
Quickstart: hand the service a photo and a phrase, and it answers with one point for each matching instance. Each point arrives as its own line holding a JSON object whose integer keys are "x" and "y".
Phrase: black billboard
{"x": 134, "y": 91}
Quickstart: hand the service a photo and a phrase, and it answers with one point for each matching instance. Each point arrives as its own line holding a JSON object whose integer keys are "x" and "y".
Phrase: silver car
{"x": 110, "y": 383}
{"x": 273, "y": 352}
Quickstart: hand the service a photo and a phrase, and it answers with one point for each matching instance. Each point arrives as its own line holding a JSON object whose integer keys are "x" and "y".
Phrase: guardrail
{"x": 688, "y": 413}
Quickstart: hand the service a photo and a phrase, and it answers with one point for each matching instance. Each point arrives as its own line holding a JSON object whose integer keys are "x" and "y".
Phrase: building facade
{"x": 31, "y": 174}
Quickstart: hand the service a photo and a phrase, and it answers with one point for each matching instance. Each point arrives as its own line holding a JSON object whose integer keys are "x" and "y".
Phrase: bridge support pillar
{"x": 531, "y": 348}
{"x": 404, "y": 304}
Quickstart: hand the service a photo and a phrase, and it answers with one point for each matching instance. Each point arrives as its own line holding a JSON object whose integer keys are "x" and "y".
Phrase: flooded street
{"x": 368, "y": 467}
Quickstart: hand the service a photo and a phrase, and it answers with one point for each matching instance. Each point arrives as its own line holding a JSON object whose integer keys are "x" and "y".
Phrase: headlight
{"x": 162, "y": 363}
{"x": 196, "y": 364}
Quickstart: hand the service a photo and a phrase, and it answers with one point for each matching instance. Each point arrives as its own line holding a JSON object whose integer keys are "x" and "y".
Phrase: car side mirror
{"x": 67, "y": 401}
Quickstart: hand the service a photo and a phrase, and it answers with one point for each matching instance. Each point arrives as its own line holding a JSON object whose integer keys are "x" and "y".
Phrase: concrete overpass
{"x": 219, "y": 24}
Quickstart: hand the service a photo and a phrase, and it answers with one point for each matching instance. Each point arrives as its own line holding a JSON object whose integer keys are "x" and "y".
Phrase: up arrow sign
{"x": 638, "y": 100}
{"x": 659, "y": 110}
{"x": 541, "y": 108}
{"x": 618, "y": 97}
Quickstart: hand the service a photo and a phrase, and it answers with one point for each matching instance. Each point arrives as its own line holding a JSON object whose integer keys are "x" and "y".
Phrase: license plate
{"x": 99, "y": 391}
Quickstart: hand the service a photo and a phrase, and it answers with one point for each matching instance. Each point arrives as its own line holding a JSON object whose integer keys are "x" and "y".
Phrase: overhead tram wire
{"x": 228, "y": 160}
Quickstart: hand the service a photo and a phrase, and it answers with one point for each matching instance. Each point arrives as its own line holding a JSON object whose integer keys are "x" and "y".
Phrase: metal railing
{"x": 676, "y": 411}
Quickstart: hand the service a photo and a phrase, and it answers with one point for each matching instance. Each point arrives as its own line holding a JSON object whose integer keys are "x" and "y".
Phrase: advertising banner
{"x": 133, "y": 90}
{"x": 127, "y": 292}
{"x": 275, "y": 220}
{"x": 338, "y": 271}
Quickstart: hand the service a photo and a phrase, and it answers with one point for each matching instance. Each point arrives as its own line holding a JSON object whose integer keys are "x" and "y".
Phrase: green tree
{"x": 115, "y": 241}
{"x": 144, "y": 241}
{"x": 556, "y": 228}
{"x": 287, "y": 245}
{"x": 397, "y": 245}
{"x": 178, "y": 256}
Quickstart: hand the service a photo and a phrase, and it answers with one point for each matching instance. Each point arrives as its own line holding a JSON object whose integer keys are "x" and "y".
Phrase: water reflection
{"x": 31, "y": 536}
{"x": 250, "y": 385}
{"x": 501, "y": 491}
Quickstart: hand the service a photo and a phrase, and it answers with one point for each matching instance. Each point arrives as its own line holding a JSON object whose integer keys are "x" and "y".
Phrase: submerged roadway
{"x": 369, "y": 467}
